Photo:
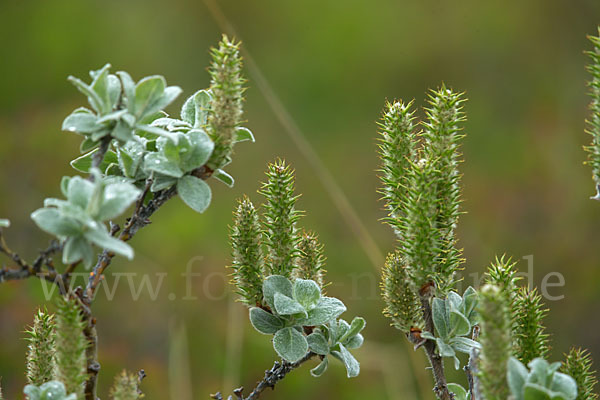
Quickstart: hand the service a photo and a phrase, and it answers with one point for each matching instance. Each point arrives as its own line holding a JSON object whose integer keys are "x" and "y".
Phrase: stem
{"x": 98, "y": 156}
{"x": 272, "y": 376}
{"x": 437, "y": 364}
{"x": 471, "y": 368}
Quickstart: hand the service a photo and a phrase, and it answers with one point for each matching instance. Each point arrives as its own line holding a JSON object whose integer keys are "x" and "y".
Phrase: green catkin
{"x": 227, "y": 87}
{"x": 247, "y": 262}
{"x": 41, "y": 348}
{"x": 279, "y": 220}
{"x": 495, "y": 342}
{"x": 441, "y": 136}
{"x": 578, "y": 364}
{"x": 422, "y": 241}
{"x": 403, "y": 306}
{"x": 311, "y": 261}
{"x": 71, "y": 344}
{"x": 529, "y": 334}
{"x": 396, "y": 151}
{"x": 125, "y": 387}
{"x": 593, "y": 124}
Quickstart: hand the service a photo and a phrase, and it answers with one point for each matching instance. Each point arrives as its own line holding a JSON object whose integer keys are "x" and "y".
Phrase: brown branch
{"x": 437, "y": 364}
{"x": 471, "y": 368}
{"x": 139, "y": 219}
{"x": 272, "y": 376}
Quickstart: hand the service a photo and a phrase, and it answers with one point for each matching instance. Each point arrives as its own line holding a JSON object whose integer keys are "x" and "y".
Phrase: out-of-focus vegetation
{"x": 525, "y": 188}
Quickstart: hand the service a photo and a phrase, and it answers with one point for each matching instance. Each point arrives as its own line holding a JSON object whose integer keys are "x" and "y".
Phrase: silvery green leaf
{"x": 117, "y": 198}
{"x": 194, "y": 192}
{"x": 100, "y": 133}
{"x": 439, "y": 317}
{"x": 307, "y": 293}
{"x": 470, "y": 299}
{"x": 201, "y": 149}
{"x": 122, "y": 131}
{"x": 459, "y": 324}
{"x": 459, "y": 392}
{"x": 320, "y": 369}
{"x": 80, "y": 191}
{"x": 444, "y": 348}
{"x": 317, "y": 343}
{"x": 517, "y": 375}
{"x": 265, "y": 322}
{"x": 100, "y": 86}
{"x": 352, "y": 366}
{"x": 170, "y": 123}
{"x": 463, "y": 344}
{"x": 564, "y": 384}
{"x": 161, "y": 182}
{"x": 81, "y": 122}
{"x": 341, "y": 328}
{"x": 357, "y": 325}
{"x": 158, "y": 163}
{"x": 427, "y": 335}
{"x": 276, "y": 284}
{"x": 84, "y": 163}
{"x": 285, "y": 305}
{"x": 50, "y": 220}
{"x": 154, "y": 130}
{"x": 64, "y": 185}
{"x": 129, "y": 158}
{"x": 147, "y": 93}
{"x": 103, "y": 239}
{"x": 355, "y": 342}
{"x": 87, "y": 145}
{"x": 533, "y": 391}
{"x": 111, "y": 116}
{"x": 78, "y": 248}
{"x": 93, "y": 98}
{"x": 224, "y": 177}
{"x": 290, "y": 344}
{"x": 55, "y": 390}
{"x": 114, "y": 90}
{"x": 454, "y": 301}
{"x": 32, "y": 392}
{"x": 128, "y": 89}
{"x": 4, "y": 223}
{"x": 195, "y": 108}
{"x": 327, "y": 309}
{"x": 242, "y": 134}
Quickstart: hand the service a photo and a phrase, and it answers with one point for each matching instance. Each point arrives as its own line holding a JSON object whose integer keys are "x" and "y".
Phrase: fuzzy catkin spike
{"x": 422, "y": 239}
{"x": 126, "y": 387}
{"x": 41, "y": 349}
{"x": 399, "y": 293}
{"x": 503, "y": 274}
{"x": 227, "y": 86}
{"x": 593, "y": 124}
{"x": 71, "y": 344}
{"x": 442, "y": 134}
{"x": 279, "y": 220}
{"x": 495, "y": 343}
{"x": 247, "y": 263}
{"x": 530, "y": 339}
{"x": 578, "y": 364}
{"x": 311, "y": 261}
{"x": 396, "y": 150}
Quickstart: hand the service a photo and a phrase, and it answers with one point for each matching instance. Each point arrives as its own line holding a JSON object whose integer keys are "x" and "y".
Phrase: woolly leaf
{"x": 328, "y": 308}
{"x": 265, "y": 322}
{"x": 290, "y": 344}
{"x": 352, "y": 366}
{"x": 194, "y": 192}
{"x": 276, "y": 284}
{"x": 318, "y": 343}
{"x": 307, "y": 293}
{"x": 320, "y": 369}
{"x": 285, "y": 305}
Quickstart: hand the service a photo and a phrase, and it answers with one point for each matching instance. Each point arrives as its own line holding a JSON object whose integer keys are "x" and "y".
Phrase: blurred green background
{"x": 332, "y": 64}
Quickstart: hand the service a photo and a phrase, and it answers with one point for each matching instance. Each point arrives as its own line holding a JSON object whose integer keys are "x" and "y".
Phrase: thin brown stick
{"x": 437, "y": 364}
{"x": 272, "y": 376}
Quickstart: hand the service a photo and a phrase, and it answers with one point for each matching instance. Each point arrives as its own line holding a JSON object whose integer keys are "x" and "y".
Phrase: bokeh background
{"x": 331, "y": 64}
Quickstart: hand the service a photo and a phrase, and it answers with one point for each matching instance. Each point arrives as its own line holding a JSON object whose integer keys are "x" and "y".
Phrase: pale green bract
{"x": 53, "y": 390}
{"x": 303, "y": 320}
{"x": 79, "y": 220}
